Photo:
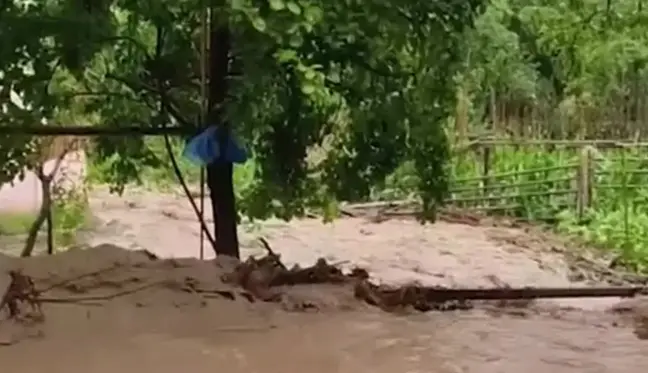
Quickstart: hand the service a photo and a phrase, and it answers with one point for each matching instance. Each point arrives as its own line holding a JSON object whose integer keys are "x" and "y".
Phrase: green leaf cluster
{"x": 330, "y": 96}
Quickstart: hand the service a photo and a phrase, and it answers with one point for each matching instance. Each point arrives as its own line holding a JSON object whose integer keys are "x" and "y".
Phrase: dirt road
{"x": 165, "y": 330}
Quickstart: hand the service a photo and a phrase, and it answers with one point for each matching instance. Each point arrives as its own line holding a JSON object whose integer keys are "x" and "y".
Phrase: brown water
{"x": 341, "y": 342}
{"x": 173, "y": 335}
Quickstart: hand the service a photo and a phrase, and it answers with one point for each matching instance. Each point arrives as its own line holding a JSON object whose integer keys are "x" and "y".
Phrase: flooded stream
{"x": 557, "y": 336}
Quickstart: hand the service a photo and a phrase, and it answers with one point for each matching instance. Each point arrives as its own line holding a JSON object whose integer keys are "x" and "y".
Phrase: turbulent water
{"x": 163, "y": 335}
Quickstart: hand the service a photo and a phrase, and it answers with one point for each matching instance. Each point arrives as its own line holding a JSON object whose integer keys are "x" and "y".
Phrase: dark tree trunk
{"x": 44, "y": 213}
{"x": 219, "y": 180}
{"x": 220, "y": 173}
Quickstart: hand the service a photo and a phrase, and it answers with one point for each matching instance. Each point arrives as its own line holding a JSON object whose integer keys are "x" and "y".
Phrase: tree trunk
{"x": 43, "y": 213}
{"x": 220, "y": 173}
{"x": 221, "y": 187}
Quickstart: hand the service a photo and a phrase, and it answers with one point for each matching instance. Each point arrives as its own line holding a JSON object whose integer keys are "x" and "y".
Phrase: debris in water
{"x": 21, "y": 290}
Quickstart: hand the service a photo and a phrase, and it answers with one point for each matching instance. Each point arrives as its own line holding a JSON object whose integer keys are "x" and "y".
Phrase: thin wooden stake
{"x": 202, "y": 212}
{"x": 204, "y": 34}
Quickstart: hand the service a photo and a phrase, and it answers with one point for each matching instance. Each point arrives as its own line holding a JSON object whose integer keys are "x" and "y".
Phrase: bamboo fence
{"x": 579, "y": 186}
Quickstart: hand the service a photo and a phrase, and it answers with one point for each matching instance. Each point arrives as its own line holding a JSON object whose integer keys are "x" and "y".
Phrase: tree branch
{"x": 129, "y": 39}
{"x": 141, "y": 86}
{"x": 59, "y": 160}
{"x": 165, "y": 99}
{"x": 98, "y": 93}
{"x": 46, "y": 202}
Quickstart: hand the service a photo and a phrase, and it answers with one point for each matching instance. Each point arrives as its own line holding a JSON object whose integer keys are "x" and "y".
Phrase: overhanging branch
{"x": 80, "y": 130}
{"x": 170, "y": 106}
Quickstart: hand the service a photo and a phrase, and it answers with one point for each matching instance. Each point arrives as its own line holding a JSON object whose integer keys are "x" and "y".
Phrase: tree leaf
{"x": 308, "y": 89}
{"x": 277, "y": 4}
{"x": 259, "y": 24}
{"x": 293, "y": 7}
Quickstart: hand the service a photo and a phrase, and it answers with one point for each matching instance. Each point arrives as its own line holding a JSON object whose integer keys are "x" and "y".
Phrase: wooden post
{"x": 486, "y": 165}
{"x": 487, "y": 149}
{"x": 204, "y": 49}
{"x": 626, "y": 207}
{"x": 584, "y": 179}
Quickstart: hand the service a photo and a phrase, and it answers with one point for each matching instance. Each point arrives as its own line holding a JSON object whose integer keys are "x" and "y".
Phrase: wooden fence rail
{"x": 590, "y": 178}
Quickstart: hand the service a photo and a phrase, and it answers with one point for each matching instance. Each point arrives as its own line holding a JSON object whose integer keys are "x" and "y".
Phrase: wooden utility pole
{"x": 220, "y": 173}
{"x": 204, "y": 60}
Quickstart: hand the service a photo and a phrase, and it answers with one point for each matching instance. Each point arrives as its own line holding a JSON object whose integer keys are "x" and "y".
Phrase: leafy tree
{"x": 365, "y": 84}
{"x": 571, "y": 63}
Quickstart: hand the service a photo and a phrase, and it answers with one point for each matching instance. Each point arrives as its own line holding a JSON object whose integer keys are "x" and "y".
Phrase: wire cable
{"x": 183, "y": 184}
{"x": 204, "y": 35}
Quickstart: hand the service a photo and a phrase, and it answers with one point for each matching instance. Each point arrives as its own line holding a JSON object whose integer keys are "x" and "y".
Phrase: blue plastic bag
{"x": 205, "y": 149}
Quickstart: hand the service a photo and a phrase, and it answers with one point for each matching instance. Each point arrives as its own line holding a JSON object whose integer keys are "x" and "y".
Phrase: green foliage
{"x": 372, "y": 78}
{"x": 345, "y": 100}
{"x": 518, "y": 174}
{"x": 102, "y": 171}
{"x": 15, "y": 223}
{"x": 573, "y": 67}
{"x": 618, "y": 215}
{"x": 560, "y": 69}
{"x": 68, "y": 217}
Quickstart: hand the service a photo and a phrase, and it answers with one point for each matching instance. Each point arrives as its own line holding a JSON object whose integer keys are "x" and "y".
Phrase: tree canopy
{"x": 578, "y": 67}
{"x": 329, "y": 96}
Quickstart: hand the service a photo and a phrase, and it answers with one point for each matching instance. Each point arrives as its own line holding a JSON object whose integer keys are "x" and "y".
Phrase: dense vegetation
{"x": 356, "y": 100}
{"x": 371, "y": 80}
{"x": 563, "y": 70}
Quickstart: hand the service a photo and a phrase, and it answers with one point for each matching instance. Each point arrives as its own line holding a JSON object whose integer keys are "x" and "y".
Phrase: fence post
{"x": 487, "y": 150}
{"x": 626, "y": 208}
{"x": 485, "y": 166}
{"x": 584, "y": 180}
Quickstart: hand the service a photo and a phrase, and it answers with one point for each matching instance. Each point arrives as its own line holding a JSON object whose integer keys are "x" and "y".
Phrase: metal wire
{"x": 204, "y": 34}
{"x": 199, "y": 210}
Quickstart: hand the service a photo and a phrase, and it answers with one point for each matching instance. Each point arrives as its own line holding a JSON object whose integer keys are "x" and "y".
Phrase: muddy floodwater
{"x": 168, "y": 331}
{"x": 341, "y": 342}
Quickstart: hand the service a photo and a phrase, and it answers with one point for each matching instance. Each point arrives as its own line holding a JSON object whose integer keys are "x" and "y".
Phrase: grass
{"x": 617, "y": 218}
{"x": 68, "y": 218}
{"x": 15, "y": 223}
